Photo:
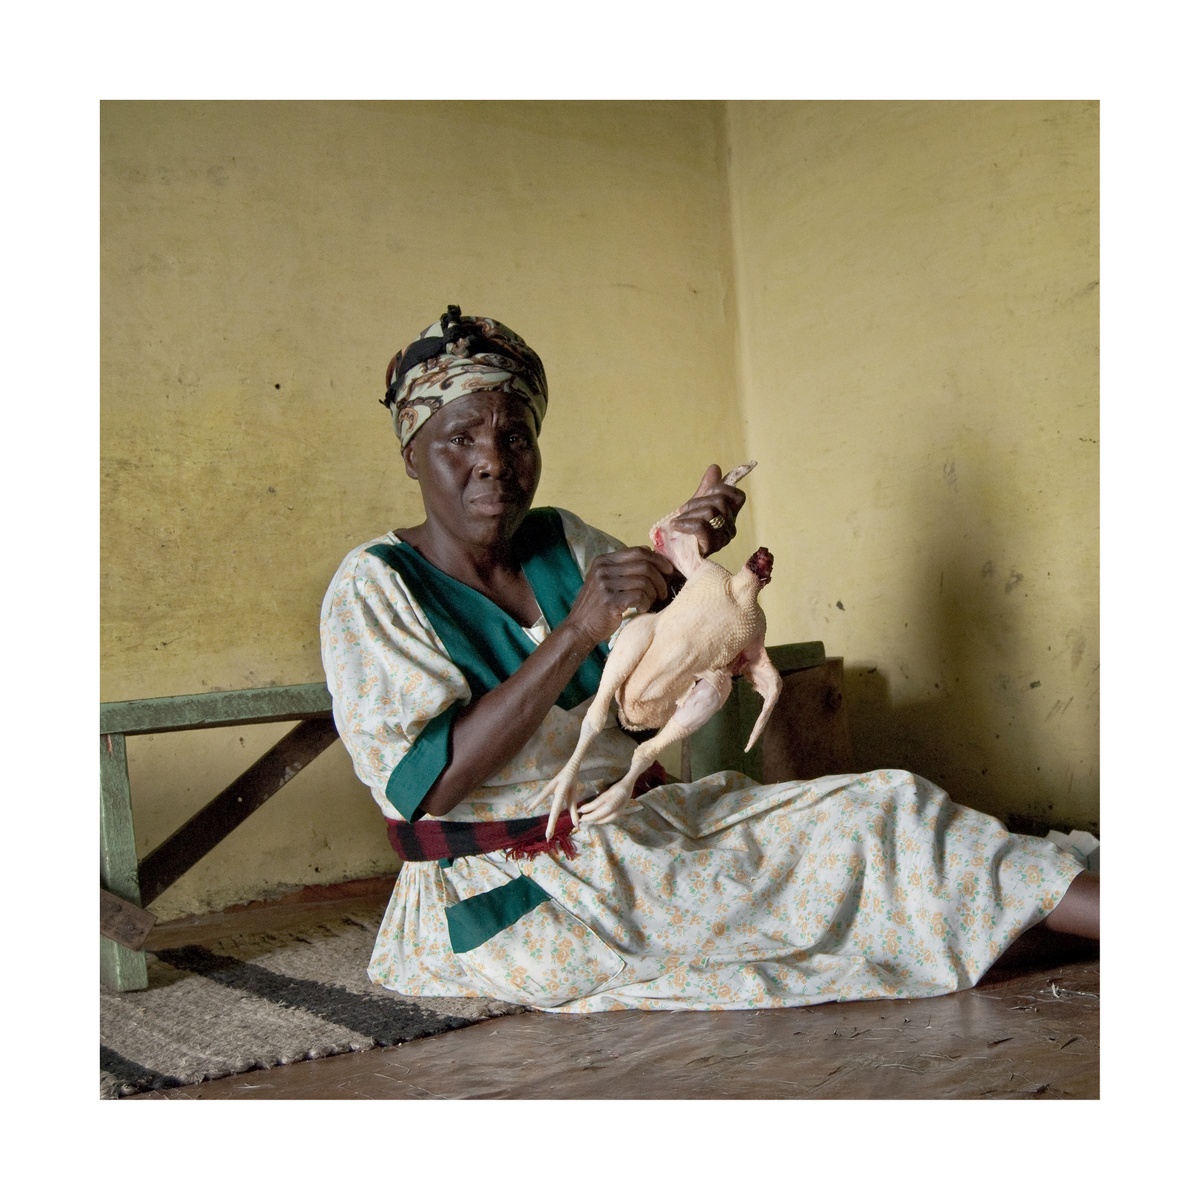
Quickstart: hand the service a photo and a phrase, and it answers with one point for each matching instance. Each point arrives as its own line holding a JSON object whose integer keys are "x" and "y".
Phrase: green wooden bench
{"x": 127, "y": 885}
{"x": 807, "y": 737}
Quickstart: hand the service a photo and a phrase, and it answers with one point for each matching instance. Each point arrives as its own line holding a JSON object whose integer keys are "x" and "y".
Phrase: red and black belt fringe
{"x": 427, "y": 840}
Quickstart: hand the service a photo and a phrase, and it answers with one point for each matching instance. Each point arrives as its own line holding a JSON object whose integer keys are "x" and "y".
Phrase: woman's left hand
{"x": 714, "y": 502}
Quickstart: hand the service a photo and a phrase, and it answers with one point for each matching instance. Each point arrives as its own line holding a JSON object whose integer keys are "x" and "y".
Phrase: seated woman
{"x": 461, "y": 654}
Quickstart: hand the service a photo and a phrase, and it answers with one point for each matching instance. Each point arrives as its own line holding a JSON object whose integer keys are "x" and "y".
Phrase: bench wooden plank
{"x": 123, "y": 922}
{"x": 808, "y": 735}
{"x": 795, "y": 656}
{"x": 217, "y": 819}
{"x": 251, "y": 706}
{"x": 121, "y": 968}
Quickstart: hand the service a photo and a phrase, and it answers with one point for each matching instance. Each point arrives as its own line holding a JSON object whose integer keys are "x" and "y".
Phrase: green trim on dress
{"x": 417, "y": 771}
{"x": 473, "y": 921}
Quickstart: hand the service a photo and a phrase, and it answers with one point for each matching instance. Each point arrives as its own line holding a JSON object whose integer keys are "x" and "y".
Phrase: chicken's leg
{"x": 760, "y": 671}
{"x": 702, "y": 702}
{"x": 623, "y": 657}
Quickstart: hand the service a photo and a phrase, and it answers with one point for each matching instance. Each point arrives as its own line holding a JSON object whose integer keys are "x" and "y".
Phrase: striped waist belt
{"x": 427, "y": 840}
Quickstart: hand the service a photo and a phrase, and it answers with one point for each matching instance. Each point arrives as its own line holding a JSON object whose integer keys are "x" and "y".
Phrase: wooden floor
{"x": 1030, "y": 1030}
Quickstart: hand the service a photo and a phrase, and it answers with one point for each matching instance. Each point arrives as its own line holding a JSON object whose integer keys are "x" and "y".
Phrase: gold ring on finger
{"x": 717, "y": 522}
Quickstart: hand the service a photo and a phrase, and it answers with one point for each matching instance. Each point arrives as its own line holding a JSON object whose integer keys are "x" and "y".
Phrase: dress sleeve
{"x": 395, "y": 691}
{"x": 586, "y": 542}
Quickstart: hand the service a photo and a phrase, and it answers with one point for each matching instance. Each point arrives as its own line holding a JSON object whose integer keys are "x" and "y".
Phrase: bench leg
{"x": 121, "y": 969}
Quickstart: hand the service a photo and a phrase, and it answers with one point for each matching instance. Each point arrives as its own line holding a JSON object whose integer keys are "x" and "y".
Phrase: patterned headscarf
{"x": 454, "y": 357}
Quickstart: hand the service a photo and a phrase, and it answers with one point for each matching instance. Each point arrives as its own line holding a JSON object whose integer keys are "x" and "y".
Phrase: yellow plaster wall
{"x": 893, "y": 306}
{"x": 260, "y": 263}
{"x": 918, "y": 364}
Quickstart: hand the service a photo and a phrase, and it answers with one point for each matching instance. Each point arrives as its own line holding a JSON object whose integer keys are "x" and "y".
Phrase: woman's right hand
{"x": 633, "y": 578}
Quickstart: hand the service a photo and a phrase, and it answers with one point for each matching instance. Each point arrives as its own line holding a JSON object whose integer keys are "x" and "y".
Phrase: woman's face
{"x": 478, "y": 464}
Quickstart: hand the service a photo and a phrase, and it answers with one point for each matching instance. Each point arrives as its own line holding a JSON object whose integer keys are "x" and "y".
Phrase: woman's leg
{"x": 1078, "y": 912}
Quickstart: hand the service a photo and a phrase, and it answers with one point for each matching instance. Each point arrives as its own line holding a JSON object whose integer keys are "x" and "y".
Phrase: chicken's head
{"x": 760, "y": 564}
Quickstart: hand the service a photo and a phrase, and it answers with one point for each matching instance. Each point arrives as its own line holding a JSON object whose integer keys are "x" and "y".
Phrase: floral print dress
{"x": 718, "y": 894}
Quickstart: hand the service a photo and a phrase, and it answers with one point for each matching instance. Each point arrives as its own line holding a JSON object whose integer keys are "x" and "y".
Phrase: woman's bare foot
{"x": 1078, "y": 912}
